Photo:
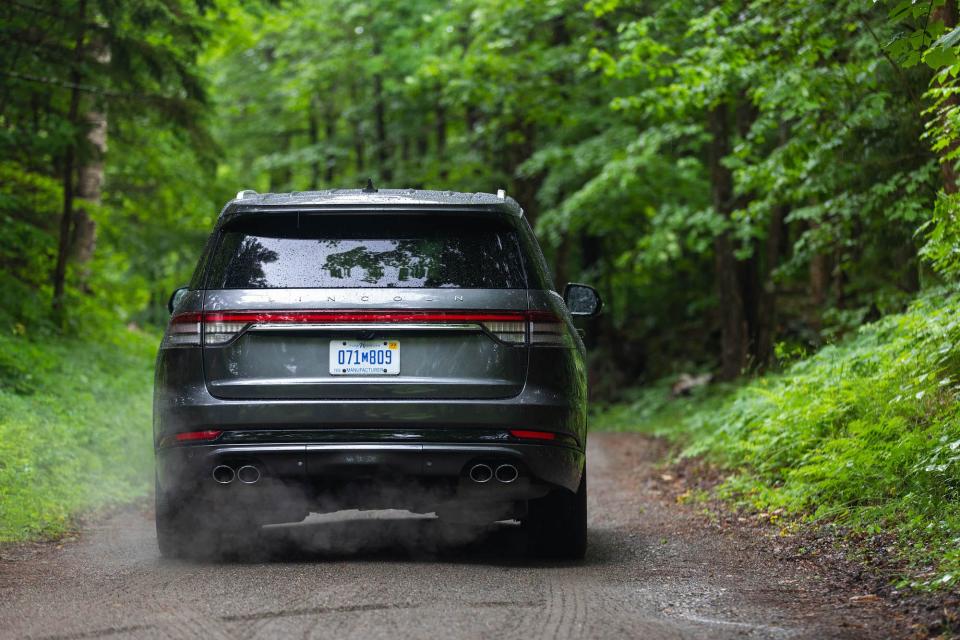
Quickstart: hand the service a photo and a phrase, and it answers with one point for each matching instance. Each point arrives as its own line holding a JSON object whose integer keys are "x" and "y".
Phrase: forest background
{"x": 764, "y": 191}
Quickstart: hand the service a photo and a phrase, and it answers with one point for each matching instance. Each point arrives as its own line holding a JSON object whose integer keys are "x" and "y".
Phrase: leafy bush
{"x": 74, "y": 428}
{"x": 865, "y": 433}
{"x": 942, "y": 233}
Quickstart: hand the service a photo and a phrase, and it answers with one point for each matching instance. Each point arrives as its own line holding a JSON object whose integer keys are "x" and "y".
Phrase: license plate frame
{"x": 353, "y": 357}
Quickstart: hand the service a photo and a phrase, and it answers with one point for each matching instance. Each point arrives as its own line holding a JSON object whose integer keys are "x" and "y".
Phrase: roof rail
{"x": 246, "y": 192}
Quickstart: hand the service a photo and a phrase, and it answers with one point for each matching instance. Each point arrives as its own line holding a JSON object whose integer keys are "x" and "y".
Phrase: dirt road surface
{"x": 653, "y": 570}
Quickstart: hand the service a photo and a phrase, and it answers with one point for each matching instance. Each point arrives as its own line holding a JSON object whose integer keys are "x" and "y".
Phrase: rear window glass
{"x": 286, "y": 251}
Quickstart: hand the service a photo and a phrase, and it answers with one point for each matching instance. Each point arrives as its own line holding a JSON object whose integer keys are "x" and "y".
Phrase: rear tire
{"x": 556, "y": 525}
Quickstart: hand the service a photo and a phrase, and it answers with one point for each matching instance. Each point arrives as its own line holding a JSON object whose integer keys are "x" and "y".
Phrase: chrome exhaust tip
{"x": 248, "y": 474}
{"x": 507, "y": 473}
{"x": 223, "y": 474}
{"x": 481, "y": 473}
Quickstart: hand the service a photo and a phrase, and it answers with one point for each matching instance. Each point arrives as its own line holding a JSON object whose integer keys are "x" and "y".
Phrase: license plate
{"x": 364, "y": 357}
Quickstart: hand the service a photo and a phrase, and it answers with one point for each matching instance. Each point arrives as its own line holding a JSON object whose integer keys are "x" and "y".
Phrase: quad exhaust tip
{"x": 248, "y": 474}
{"x": 507, "y": 473}
{"x": 223, "y": 474}
{"x": 481, "y": 473}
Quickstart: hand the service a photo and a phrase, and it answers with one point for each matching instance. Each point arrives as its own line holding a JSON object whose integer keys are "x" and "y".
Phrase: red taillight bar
{"x": 362, "y": 316}
{"x": 526, "y": 434}
{"x": 294, "y": 317}
{"x": 197, "y": 436}
{"x": 511, "y": 327}
{"x": 184, "y": 318}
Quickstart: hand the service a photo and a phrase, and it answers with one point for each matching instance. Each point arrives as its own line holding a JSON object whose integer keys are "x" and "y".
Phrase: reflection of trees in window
{"x": 246, "y": 268}
{"x": 432, "y": 262}
{"x": 408, "y": 257}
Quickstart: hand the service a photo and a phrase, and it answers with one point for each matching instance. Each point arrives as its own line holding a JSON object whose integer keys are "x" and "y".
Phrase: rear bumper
{"x": 533, "y": 409}
{"x": 324, "y": 455}
{"x": 297, "y": 478}
{"x": 553, "y": 399}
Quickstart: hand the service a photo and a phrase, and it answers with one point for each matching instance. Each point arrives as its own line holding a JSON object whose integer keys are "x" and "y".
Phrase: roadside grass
{"x": 863, "y": 435}
{"x": 75, "y": 430}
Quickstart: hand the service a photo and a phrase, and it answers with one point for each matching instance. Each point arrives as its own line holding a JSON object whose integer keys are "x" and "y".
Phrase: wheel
{"x": 556, "y": 524}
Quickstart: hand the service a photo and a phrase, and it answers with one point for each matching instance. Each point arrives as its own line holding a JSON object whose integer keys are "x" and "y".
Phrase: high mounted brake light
{"x": 511, "y": 327}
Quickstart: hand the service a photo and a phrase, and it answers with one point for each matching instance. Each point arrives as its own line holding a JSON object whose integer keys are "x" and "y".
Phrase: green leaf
{"x": 949, "y": 39}
{"x": 940, "y": 57}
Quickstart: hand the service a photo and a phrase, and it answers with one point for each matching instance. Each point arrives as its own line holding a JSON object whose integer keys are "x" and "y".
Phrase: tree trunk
{"x": 767, "y": 316}
{"x": 764, "y": 330}
{"x": 948, "y": 170}
{"x": 819, "y": 279}
{"x": 733, "y": 323}
{"x": 839, "y": 279}
{"x": 359, "y": 149}
{"x": 751, "y": 269}
{"x": 440, "y": 124}
{"x": 280, "y": 177}
{"x": 330, "y": 132}
{"x": 313, "y": 136}
{"x": 561, "y": 267}
{"x": 69, "y": 160}
{"x": 90, "y": 174}
{"x": 422, "y": 151}
{"x": 89, "y": 188}
{"x": 380, "y": 117}
{"x": 749, "y": 276}
{"x": 525, "y": 187}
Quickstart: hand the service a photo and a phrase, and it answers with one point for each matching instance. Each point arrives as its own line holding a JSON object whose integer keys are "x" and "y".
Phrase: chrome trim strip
{"x": 409, "y": 448}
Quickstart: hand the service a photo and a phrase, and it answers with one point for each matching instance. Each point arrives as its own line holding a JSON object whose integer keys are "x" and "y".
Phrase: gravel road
{"x": 654, "y": 569}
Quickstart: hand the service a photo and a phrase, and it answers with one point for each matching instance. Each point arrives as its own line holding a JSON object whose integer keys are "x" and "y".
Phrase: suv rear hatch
{"x": 388, "y": 305}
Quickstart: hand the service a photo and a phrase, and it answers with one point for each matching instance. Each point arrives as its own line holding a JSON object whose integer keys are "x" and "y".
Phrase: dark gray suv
{"x": 362, "y": 349}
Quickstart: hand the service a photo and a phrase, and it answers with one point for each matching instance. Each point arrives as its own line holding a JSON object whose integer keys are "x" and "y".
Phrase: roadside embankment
{"x": 74, "y": 428}
{"x": 863, "y": 437}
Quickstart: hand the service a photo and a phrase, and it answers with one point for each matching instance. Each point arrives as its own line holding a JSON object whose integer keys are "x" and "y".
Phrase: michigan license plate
{"x": 364, "y": 357}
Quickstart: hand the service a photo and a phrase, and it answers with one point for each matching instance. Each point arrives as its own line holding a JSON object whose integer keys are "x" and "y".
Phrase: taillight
{"x": 184, "y": 330}
{"x": 219, "y": 332}
{"x": 547, "y": 328}
{"x": 510, "y": 331}
{"x": 511, "y": 327}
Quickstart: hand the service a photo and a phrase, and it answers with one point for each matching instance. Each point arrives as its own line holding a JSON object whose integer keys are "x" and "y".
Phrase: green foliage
{"x": 595, "y": 116}
{"x": 942, "y": 249}
{"x": 865, "y": 433}
{"x": 137, "y": 64}
{"x": 28, "y": 206}
{"x": 74, "y": 428}
{"x": 826, "y": 135}
{"x": 653, "y": 410}
{"x": 929, "y": 34}
{"x": 800, "y": 150}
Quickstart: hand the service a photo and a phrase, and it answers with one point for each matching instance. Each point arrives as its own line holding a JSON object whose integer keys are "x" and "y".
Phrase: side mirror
{"x": 582, "y": 300}
{"x": 176, "y": 297}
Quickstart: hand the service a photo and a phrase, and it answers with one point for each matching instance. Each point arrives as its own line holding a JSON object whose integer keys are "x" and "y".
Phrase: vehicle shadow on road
{"x": 401, "y": 539}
